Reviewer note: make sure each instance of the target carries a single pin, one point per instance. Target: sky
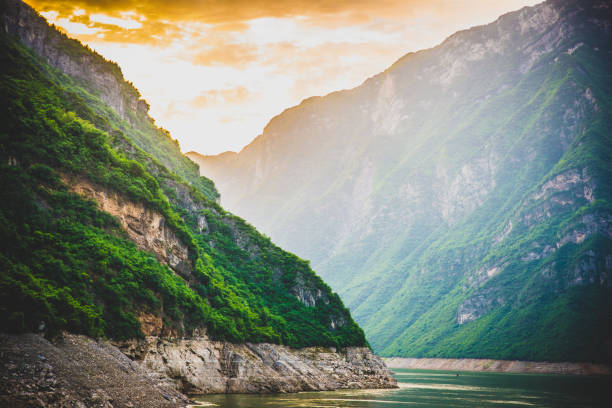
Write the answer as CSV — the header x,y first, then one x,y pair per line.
x,y
216,71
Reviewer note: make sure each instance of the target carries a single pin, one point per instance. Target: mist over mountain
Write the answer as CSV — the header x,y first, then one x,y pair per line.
x,y
460,201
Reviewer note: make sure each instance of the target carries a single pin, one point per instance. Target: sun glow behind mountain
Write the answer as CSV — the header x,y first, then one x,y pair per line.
x,y
215,72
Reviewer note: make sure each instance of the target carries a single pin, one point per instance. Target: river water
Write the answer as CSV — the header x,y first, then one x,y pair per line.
x,y
444,389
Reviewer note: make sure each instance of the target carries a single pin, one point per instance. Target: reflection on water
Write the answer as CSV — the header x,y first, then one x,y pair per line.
x,y
443,389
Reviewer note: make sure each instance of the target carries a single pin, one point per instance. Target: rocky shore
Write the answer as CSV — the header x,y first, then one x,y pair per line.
x,y
75,370
502,366
201,366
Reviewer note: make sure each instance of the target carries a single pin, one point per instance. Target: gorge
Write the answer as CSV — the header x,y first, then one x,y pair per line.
x,y
124,283
457,206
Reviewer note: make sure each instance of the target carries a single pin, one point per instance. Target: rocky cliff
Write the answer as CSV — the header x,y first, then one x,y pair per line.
x,y
460,200
152,233
146,227
201,366
78,371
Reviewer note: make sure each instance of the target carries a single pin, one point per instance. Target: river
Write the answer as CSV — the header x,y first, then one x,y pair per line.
x,y
444,389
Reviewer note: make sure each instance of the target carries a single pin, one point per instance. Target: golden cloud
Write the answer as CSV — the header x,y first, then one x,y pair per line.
x,y
234,95
236,55
255,57
224,11
160,22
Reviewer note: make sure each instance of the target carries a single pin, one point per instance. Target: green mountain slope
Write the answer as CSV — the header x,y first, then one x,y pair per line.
x,y
68,265
460,202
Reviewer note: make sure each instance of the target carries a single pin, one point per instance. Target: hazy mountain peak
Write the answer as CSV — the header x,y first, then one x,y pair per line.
x,y
459,194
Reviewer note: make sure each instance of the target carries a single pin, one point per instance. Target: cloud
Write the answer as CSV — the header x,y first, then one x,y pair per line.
x,y
236,95
236,55
124,22
215,71
224,11
151,21
162,22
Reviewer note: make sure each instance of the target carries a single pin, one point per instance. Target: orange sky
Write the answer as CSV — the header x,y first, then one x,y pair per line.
x,y
216,71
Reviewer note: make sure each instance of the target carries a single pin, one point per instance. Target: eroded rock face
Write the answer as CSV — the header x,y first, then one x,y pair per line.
x,y
478,305
203,366
146,227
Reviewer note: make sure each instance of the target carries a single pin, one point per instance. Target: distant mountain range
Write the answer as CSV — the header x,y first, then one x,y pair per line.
x,y
460,201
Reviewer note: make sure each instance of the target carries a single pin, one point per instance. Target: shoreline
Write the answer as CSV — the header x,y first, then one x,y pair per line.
x,y
76,370
498,366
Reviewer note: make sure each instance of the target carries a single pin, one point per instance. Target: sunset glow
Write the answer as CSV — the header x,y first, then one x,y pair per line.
x,y
215,72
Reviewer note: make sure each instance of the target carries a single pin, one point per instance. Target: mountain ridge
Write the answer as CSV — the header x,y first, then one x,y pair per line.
x,y
474,172
131,218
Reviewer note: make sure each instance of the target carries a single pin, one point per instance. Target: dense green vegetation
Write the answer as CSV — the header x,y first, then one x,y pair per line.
x,y
88,94
460,202
71,266
551,300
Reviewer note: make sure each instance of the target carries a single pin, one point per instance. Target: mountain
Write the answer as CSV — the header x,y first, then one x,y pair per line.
x,y
460,201
108,231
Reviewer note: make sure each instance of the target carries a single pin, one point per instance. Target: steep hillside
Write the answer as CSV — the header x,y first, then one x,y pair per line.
x,y
113,97
460,202
107,230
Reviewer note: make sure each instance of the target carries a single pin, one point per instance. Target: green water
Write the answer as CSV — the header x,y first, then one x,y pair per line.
x,y
443,389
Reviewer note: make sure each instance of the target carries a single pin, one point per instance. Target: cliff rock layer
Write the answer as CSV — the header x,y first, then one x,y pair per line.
x,y
460,201
69,56
201,366
146,227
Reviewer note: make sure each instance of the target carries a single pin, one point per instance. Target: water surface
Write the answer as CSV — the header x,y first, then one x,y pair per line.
x,y
444,389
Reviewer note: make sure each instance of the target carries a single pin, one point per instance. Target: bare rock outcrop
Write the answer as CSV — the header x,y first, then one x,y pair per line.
x,y
146,227
200,365
77,371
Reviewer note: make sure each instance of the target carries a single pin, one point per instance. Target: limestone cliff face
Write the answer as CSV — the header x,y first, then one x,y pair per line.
x,y
199,365
98,75
146,227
